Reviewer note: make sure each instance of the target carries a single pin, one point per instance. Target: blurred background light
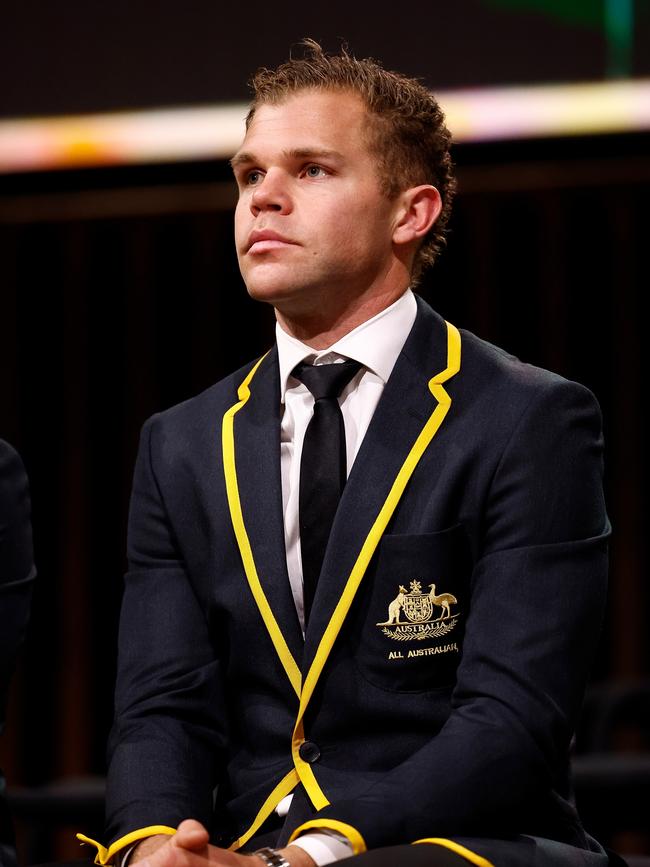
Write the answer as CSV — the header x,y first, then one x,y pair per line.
x,y
214,132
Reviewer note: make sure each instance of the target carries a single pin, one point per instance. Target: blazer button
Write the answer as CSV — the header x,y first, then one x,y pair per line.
x,y
309,752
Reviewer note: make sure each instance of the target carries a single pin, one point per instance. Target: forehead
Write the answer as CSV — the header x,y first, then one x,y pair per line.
x,y
332,119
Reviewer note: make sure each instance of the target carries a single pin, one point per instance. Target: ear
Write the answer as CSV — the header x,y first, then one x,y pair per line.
x,y
419,209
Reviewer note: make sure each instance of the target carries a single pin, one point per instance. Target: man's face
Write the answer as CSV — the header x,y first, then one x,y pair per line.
x,y
312,227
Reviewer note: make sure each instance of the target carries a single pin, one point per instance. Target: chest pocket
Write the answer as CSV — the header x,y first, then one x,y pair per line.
x,y
412,618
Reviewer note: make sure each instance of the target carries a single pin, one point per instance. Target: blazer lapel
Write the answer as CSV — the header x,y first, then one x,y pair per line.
x,y
256,434
409,414
405,406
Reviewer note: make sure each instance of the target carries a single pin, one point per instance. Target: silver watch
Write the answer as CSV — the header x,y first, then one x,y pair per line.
x,y
271,857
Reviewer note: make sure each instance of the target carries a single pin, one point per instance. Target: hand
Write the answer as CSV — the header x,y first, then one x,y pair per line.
x,y
190,847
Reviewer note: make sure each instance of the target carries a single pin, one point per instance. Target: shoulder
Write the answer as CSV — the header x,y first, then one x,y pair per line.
x,y
494,394
544,435
9,458
498,378
16,554
488,373
13,480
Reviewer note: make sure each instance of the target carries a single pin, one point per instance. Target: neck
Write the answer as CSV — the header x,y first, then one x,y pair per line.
x,y
322,328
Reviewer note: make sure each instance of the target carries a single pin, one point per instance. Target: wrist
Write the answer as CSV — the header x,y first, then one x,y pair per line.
x,y
294,856
297,857
146,846
270,857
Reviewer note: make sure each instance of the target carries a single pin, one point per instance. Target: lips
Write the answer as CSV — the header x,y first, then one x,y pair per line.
x,y
264,240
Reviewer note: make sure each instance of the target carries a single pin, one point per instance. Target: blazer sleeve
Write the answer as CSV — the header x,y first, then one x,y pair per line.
x,y
537,600
167,739
17,570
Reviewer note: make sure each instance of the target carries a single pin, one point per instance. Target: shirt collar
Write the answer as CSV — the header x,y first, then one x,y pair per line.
x,y
376,343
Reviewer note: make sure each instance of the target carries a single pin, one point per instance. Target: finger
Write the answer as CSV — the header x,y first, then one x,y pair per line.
x,y
190,834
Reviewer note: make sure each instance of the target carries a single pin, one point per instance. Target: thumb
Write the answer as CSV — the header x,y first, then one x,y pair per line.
x,y
190,834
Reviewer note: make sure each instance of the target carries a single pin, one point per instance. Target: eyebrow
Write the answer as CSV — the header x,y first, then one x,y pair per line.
x,y
246,159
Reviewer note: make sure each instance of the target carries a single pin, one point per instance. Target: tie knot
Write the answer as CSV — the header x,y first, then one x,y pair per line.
x,y
326,380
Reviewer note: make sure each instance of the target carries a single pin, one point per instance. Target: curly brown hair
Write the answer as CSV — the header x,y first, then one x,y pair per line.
x,y
407,134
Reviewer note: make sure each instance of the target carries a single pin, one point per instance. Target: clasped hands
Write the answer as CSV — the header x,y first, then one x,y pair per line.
x,y
190,847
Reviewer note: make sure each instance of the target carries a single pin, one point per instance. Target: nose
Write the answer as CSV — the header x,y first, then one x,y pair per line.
x,y
271,194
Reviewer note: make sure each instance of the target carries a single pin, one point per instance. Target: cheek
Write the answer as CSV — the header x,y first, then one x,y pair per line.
x,y
241,222
344,226
358,232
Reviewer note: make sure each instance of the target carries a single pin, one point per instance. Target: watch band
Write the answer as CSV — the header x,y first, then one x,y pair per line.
x,y
271,857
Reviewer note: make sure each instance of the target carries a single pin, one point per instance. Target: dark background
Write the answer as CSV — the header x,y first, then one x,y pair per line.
x,y
87,55
121,296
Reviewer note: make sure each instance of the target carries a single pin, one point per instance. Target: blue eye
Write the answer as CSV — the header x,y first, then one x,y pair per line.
x,y
253,177
314,171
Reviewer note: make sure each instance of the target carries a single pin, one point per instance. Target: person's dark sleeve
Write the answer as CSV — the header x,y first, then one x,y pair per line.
x,y
537,600
168,733
17,575
17,570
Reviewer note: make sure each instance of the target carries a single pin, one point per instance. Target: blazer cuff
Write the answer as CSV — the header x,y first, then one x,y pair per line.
x,y
356,840
106,855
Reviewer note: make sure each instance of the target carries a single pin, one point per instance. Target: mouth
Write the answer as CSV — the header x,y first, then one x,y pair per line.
x,y
265,240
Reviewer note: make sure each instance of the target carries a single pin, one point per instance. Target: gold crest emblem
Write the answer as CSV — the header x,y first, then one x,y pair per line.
x,y
411,614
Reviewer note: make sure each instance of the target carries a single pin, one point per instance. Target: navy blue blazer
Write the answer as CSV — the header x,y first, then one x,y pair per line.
x,y
454,624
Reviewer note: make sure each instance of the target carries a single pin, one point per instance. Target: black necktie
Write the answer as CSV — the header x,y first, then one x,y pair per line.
x,y
323,467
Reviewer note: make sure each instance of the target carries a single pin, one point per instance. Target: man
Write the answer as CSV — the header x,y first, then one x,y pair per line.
x,y
16,579
305,681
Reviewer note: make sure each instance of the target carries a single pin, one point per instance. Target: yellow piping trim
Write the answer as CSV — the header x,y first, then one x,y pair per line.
x,y
470,856
359,569
305,772
355,838
237,518
309,781
286,785
105,856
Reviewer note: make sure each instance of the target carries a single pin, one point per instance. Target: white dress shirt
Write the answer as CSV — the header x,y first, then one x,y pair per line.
x,y
376,344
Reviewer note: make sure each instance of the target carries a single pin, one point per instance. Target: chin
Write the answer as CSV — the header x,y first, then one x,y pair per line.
x,y
271,292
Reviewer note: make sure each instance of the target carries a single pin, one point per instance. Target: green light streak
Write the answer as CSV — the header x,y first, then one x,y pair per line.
x,y
619,30
585,13
614,17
